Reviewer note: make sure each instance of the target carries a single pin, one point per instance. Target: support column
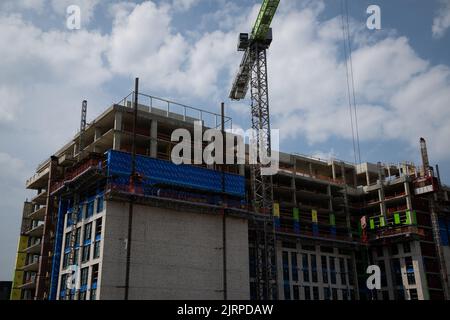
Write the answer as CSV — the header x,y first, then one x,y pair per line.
x,y
347,212
154,138
408,196
333,170
381,191
117,130
242,170
293,186
97,135
419,271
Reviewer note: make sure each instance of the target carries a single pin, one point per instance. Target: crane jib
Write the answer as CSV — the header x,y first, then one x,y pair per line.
x,y
261,33
265,16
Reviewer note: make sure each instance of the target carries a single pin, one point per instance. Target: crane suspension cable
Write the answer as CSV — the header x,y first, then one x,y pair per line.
x,y
350,81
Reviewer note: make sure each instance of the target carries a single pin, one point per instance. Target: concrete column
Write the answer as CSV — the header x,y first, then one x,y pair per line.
x,y
347,213
97,135
294,197
408,196
153,138
419,271
367,176
382,202
333,170
242,169
389,274
330,204
117,130
310,169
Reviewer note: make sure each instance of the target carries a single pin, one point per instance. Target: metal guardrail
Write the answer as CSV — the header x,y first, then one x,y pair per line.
x,y
36,176
171,108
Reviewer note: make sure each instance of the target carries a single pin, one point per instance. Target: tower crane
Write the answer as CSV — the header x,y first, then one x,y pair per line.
x,y
253,71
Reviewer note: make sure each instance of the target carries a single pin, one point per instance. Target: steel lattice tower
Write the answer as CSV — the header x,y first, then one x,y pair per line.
x,y
253,70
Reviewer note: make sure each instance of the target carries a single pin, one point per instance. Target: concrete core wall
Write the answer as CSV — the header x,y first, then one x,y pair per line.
x,y
174,254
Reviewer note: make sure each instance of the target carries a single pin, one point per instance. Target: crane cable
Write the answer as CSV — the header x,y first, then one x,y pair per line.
x,y
350,81
352,100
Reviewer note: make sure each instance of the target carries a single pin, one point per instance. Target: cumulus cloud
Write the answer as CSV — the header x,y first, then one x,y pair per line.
x,y
442,20
327,156
87,8
400,96
56,6
182,5
163,58
9,5
307,73
43,74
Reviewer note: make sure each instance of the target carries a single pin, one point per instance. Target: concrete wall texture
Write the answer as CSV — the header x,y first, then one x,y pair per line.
x,y
174,254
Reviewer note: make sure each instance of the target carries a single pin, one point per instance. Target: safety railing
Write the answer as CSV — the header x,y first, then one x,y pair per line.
x,y
176,110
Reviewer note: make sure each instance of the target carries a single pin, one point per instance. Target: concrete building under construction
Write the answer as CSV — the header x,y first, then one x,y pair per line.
x,y
112,209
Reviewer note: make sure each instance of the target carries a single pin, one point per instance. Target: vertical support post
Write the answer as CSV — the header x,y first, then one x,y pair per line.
x,y
97,135
224,221
135,114
438,175
117,130
132,182
333,170
347,212
154,138
381,191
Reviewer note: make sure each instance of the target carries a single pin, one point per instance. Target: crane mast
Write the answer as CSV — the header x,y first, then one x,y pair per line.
x,y
253,72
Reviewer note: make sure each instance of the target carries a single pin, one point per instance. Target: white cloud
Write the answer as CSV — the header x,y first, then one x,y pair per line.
x,y
9,5
183,5
87,8
9,167
307,76
54,6
326,156
166,60
400,96
11,103
44,77
442,20
50,57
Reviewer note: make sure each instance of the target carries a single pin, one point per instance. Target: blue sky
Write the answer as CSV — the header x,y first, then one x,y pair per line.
x,y
185,50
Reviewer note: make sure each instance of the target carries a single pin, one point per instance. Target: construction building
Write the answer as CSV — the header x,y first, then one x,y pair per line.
x,y
111,208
